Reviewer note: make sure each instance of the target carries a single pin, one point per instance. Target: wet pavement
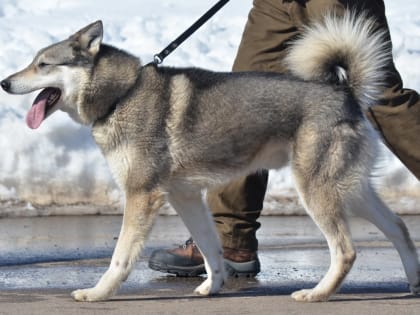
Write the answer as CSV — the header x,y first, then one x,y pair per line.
x,y
43,259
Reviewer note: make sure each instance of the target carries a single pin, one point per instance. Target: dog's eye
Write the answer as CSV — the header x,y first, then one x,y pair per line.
x,y
42,64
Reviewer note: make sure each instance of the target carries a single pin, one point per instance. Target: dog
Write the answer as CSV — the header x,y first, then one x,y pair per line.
x,y
170,133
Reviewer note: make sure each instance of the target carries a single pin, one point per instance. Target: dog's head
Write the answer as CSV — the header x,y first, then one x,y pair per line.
x,y
61,71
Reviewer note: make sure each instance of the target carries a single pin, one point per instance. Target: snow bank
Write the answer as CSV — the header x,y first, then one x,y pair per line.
x,y
59,164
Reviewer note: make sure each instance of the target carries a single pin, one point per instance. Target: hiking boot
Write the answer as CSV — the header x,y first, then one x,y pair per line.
x,y
187,261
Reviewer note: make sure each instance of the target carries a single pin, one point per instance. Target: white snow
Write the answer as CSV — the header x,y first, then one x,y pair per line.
x,y
59,164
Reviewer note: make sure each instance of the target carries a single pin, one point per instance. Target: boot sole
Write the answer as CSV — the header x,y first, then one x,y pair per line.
x,y
233,269
247,269
192,271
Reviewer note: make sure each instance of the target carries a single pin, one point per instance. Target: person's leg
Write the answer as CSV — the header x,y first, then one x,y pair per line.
x,y
397,114
269,28
237,206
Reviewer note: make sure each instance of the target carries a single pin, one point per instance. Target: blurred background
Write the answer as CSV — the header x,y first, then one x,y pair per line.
x,y
58,170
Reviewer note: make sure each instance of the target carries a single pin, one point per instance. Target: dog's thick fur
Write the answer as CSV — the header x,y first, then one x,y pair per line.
x,y
170,133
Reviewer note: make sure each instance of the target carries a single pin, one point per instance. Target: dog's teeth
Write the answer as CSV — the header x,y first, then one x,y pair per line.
x,y
52,98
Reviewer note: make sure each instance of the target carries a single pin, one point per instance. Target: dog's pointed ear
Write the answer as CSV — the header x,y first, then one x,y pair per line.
x,y
90,37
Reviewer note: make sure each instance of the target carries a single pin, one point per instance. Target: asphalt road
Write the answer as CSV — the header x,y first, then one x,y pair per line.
x,y
43,259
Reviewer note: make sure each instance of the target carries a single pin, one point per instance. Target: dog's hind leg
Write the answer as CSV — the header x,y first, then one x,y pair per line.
x,y
188,203
333,225
139,212
373,209
324,203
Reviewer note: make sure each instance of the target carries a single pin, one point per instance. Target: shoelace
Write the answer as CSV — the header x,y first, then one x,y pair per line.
x,y
189,241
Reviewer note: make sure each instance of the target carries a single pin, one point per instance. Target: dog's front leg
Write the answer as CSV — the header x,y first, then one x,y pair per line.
x,y
188,203
139,212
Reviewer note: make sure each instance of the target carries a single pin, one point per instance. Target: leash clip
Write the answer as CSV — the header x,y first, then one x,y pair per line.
x,y
157,59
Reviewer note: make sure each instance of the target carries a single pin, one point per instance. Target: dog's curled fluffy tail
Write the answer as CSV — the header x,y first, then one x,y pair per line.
x,y
346,49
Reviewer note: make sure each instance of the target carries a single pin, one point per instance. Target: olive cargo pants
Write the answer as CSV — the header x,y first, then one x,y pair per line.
x,y
271,24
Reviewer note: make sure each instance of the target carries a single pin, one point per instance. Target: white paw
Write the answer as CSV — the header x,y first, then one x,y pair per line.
x,y
89,295
309,295
209,287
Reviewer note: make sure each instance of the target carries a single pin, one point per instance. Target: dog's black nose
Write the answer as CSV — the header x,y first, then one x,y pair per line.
x,y
5,84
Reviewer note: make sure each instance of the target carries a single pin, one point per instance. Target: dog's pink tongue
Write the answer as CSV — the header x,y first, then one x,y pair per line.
x,y
36,114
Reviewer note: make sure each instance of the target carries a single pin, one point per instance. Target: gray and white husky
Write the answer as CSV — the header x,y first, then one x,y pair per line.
x,y
169,133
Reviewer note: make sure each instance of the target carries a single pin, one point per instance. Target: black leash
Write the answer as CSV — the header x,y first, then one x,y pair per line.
x,y
158,58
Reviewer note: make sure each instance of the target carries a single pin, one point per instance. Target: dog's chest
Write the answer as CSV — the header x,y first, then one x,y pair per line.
x,y
111,141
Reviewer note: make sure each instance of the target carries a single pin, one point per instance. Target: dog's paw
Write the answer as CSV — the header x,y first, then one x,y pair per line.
x,y
415,283
309,295
209,287
89,295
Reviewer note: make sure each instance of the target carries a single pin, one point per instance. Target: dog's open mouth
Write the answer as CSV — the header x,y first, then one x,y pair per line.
x,y
41,106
